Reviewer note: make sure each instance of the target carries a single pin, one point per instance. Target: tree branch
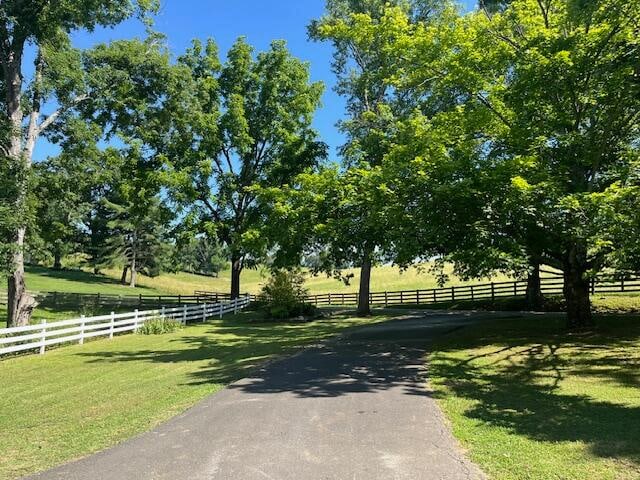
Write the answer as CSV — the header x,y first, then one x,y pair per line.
x,y
52,118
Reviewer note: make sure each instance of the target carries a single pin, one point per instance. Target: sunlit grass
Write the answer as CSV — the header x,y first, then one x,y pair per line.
x,y
531,402
80,399
382,278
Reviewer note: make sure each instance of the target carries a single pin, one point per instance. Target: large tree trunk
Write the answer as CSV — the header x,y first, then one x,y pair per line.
x,y
20,304
236,270
535,299
364,307
576,289
57,260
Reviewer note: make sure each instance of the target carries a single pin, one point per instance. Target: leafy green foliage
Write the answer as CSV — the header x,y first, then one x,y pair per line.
x,y
536,135
199,255
235,127
284,295
159,326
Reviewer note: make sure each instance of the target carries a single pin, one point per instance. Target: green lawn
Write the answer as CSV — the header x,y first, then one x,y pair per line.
x,y
80,399
40,279
532,402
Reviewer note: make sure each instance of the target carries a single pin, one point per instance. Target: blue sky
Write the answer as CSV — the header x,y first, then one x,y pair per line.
x,y
261,21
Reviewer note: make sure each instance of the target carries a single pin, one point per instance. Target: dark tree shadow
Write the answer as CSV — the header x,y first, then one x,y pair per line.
x,y
517,386
364,359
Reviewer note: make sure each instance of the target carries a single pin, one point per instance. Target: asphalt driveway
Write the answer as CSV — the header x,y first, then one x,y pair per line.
x,y
355,408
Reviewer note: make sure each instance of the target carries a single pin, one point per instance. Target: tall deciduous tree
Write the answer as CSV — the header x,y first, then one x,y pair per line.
x,y
363,34
236,126
56,79
548,92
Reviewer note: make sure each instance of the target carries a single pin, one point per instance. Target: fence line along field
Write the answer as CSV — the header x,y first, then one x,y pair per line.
x,y
39,337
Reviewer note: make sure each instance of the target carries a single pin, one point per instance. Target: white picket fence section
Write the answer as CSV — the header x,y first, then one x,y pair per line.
x,y
39,337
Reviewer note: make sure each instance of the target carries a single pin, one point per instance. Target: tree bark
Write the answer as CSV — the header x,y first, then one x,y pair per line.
x,y
123,277
57,261
364,308
535,299
134,272
576,289
236,270
20,304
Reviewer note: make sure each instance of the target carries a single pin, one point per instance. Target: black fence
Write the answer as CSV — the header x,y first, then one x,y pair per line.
x,y
99,300
486,291
551,286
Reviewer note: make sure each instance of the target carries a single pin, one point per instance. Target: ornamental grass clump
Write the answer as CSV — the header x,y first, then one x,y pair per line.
x,y
159,326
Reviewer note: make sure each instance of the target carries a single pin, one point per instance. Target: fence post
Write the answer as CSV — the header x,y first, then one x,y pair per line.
x,y
593,286
220,308
622,285
179,299
329,299
453,294
472,296
386,298
417,297
44,335
113,319
435,296
515,289
401,297
493,291
135,325
235,305
184,314
204,312
81,341
162,313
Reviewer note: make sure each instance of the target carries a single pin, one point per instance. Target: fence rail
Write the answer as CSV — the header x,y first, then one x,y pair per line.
x,y
486,291
39,337
97,300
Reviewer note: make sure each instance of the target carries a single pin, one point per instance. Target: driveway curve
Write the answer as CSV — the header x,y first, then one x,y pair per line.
x,y
353,408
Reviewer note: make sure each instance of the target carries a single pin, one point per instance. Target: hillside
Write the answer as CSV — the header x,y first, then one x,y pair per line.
x,y
382,278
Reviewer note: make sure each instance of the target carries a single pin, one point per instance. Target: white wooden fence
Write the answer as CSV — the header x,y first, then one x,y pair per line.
x,y
39,337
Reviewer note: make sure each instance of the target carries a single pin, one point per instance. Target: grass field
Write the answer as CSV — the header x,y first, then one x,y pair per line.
x,y
531,402
41,279
80,399
382,278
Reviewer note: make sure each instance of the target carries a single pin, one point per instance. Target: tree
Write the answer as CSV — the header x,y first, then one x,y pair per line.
x,y
331,215
363,34
64,188
56,80
547,94
199,254
137,219
237,126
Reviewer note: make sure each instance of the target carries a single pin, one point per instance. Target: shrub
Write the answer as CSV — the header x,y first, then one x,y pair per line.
x,y
284,296
159,326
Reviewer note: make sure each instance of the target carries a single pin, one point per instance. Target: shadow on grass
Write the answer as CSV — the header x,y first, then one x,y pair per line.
x,y
72,275
367,359
80,276
520,385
